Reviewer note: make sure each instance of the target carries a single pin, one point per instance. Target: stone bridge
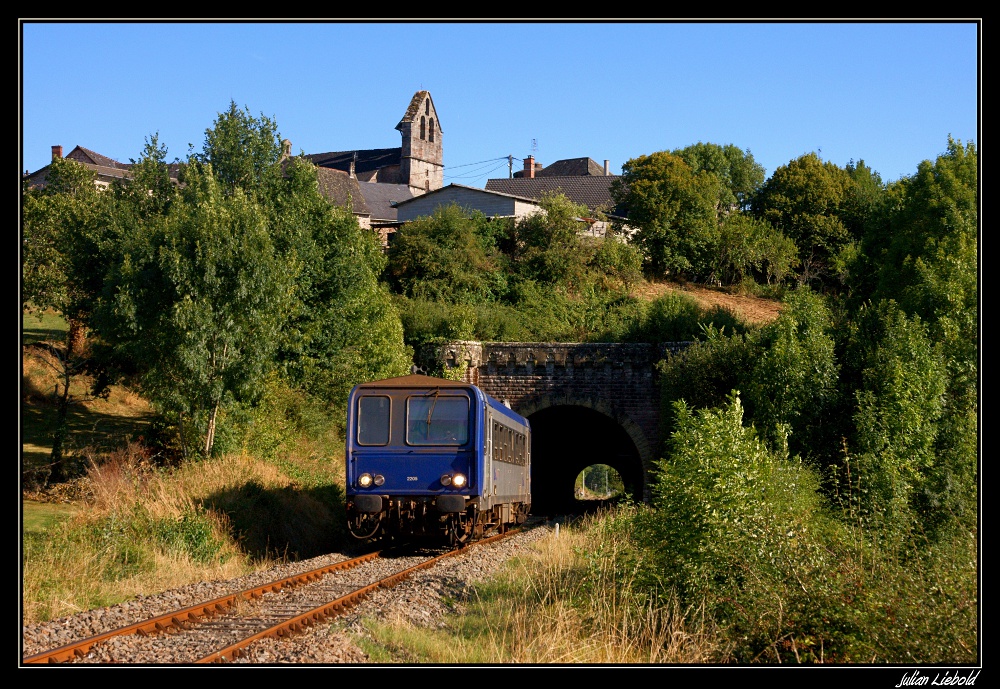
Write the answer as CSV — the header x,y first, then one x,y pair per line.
x,y
593,403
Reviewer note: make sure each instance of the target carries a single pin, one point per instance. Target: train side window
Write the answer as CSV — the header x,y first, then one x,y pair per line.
x,y
373,420
437,420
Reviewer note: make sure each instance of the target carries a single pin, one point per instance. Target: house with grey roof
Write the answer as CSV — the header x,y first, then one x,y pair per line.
x,y
581,180
493,204
569,167
106,170
381,199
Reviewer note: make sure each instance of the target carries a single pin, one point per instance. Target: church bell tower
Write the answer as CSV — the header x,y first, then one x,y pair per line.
x,y
422,163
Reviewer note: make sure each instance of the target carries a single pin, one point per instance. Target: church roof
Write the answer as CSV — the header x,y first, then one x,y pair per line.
x,y
366,160
380,198
341,190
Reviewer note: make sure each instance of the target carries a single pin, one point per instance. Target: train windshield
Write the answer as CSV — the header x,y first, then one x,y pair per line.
x,y
373,420
437,420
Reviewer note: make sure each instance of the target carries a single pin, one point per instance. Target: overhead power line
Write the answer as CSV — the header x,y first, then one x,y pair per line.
x,y
480,172
491,160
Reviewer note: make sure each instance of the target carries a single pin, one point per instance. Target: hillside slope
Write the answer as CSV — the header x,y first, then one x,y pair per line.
x,y
756,310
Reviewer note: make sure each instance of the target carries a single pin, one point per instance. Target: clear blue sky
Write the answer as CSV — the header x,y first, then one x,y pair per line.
x,y
886,93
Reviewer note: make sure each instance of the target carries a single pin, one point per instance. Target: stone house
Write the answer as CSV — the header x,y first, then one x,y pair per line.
x,y
105,169
493,204
581,180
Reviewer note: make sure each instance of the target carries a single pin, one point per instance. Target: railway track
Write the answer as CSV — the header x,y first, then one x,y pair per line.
x,y
221,630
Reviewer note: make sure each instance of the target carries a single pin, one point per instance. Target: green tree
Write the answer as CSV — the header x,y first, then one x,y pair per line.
x,y
900,380
805,201
343,328
59,219
725,506
673,209
931,269
441,257
148,191
740,174
793,382
931,264
619,262
549,247
198,299
243,150
749,246
54,217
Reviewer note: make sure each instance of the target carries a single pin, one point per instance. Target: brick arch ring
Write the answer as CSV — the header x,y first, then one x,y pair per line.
x,y
642,445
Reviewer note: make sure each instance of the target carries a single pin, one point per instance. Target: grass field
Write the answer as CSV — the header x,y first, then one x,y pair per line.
x,y
95,424
38,517
39,328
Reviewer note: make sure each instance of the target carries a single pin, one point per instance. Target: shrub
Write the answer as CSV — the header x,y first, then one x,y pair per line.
x,y
705,373
442,257
793,382
898,404
743,532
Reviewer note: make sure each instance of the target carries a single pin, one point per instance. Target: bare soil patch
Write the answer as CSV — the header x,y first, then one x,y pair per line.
x,y
755,310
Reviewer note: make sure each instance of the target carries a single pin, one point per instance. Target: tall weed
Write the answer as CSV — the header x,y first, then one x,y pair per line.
x,y
743,531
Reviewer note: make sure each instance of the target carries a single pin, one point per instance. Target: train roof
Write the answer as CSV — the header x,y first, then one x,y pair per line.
x,y
420,381
415,381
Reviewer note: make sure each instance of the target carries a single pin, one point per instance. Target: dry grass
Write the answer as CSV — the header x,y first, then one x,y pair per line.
x,y
556,606
68,571
128,478
588,616
752,309
96,425
75,580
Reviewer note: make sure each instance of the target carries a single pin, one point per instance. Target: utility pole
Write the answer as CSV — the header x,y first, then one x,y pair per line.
x,y
510,167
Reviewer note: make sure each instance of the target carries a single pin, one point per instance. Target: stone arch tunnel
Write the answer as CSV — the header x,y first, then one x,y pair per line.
x,y
588,403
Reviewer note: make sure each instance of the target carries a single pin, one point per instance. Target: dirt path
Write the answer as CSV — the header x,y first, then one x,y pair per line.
x,y
753,309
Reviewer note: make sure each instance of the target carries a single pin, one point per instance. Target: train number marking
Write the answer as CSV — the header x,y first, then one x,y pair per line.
x,y
411,478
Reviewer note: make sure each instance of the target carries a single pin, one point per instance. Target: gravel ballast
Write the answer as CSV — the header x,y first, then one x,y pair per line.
x,y
422,599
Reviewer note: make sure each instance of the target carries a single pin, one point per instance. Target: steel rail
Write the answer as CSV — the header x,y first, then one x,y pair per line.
x,y
186,617
331,609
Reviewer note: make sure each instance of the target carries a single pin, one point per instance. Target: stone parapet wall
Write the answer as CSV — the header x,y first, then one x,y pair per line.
x,y
616,379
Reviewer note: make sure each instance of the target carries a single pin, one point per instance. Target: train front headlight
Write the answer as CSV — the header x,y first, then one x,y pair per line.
x,y
365,480
446,480
379,479
458,480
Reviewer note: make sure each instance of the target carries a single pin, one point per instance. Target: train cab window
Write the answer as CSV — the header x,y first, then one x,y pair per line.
x,y
437,420
373,420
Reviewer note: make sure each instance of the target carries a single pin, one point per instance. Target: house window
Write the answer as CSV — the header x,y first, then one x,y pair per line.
x,y
423,127
432,129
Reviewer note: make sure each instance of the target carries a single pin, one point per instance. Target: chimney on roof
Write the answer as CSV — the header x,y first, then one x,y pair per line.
x,y
529,167
286,149
354,160
606,170
56,152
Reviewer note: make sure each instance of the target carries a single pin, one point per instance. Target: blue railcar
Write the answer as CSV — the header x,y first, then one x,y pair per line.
x,y
436,458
